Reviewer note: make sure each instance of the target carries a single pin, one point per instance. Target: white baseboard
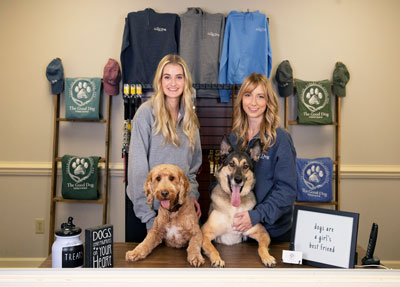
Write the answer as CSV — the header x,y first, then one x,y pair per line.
x,y
21,262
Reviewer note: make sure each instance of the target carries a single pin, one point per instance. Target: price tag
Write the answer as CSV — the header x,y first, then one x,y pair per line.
x,y
292,257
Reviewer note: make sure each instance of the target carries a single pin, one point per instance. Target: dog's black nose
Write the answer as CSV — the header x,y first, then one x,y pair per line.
x,y
238,179
164,193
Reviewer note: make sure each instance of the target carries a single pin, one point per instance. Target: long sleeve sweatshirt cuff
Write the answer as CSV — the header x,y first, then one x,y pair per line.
x,y
255,217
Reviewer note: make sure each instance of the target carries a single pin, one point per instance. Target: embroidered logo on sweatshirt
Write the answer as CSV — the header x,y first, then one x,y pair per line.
x,y
212,34
264,156
261,29
160,29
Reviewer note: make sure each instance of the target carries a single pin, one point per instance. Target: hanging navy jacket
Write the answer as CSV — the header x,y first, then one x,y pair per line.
x,y
148,37
246,49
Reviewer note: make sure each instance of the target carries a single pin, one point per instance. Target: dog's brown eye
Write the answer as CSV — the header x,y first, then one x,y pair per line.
x,y
158,178
245,166
232,164
171,178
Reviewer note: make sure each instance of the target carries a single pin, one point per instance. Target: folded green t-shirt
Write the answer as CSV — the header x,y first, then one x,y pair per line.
x,y
82,98
79,177
314,102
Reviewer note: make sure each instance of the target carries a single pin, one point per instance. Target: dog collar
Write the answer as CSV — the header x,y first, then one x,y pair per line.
x,y
176,208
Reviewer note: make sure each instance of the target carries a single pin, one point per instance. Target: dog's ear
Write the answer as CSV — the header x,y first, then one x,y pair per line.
x,y
255,150
148,190
184,187
226,147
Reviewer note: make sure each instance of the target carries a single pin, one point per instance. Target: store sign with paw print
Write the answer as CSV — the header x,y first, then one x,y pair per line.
x,y
82,98
314,179
79,177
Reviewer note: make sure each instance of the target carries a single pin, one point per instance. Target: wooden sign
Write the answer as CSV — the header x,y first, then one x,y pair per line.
x,y
327,238
99,247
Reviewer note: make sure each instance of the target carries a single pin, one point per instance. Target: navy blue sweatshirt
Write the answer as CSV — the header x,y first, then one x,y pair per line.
x,y
148,37
276,184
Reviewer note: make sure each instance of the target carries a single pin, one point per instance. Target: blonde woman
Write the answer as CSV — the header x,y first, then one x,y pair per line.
x,y
256,117
165,130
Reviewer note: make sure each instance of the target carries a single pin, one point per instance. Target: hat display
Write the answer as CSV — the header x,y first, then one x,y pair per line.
x,y
111,77
284,78
340,78
55,75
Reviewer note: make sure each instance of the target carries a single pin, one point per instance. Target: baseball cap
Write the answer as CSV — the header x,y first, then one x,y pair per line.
x,y
284,78
55,75
111,77
340,78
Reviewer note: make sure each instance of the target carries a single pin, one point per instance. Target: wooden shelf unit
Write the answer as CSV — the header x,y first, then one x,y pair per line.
x,y
336,160
54,199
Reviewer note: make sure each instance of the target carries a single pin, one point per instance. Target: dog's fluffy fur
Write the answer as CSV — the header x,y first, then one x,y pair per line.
x,y
177,221
233,194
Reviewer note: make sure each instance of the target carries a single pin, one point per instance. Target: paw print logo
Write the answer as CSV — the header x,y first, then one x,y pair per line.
x,y
314,97
82,91
315,175
80,169
80,166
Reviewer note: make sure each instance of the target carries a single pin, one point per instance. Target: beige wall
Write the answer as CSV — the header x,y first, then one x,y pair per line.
x,y
312,34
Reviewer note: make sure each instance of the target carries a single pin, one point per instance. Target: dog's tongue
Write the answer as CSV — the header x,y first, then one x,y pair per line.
x,y
165,204
235,197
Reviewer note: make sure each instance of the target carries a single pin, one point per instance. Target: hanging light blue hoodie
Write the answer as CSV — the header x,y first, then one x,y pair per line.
x,y
246,49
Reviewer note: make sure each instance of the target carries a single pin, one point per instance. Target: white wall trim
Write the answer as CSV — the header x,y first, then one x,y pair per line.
x,y
347,171
370,171
17,168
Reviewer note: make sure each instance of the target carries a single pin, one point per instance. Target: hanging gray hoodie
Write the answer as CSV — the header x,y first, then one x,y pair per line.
x,y
201,44
147,150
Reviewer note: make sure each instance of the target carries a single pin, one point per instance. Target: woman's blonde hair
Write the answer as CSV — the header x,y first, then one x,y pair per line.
x,y
164,122
270,121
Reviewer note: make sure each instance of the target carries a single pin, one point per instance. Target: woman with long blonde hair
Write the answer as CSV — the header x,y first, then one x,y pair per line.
x,y
165,129
256,118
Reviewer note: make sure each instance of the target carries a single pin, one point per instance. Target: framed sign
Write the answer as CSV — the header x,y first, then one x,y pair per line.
x,y
327,238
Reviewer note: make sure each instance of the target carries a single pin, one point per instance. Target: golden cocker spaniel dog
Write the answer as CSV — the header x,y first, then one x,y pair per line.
x,y
176,223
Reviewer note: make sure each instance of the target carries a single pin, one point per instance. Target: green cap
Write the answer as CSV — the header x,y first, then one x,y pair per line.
x,y
284,78
340,78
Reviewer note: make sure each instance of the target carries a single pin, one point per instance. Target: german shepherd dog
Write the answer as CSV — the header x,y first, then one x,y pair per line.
x,y
233,193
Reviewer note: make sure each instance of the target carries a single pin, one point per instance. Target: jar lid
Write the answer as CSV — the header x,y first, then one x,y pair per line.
x,y
68,229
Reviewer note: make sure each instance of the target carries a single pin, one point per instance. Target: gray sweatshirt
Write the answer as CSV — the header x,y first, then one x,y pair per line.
x,y
201,44
147,150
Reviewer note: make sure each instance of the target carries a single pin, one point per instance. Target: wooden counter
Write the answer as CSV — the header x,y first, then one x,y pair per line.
x,y
242,255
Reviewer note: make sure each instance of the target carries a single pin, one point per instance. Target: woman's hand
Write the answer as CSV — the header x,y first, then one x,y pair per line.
x,y
197,207
242,222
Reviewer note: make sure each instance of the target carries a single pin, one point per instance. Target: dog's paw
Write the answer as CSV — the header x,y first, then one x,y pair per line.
x,y
134,255
269,261
196,260
218,263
